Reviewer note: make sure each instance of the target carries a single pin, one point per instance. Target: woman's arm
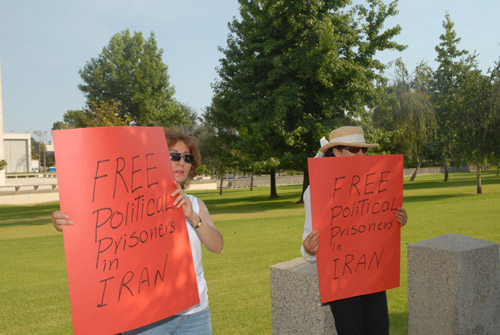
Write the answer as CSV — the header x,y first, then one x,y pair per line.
x,y
310,238
207,232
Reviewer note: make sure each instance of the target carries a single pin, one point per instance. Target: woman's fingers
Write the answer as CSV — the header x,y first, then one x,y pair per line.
x,y
59,220
311,243
401,216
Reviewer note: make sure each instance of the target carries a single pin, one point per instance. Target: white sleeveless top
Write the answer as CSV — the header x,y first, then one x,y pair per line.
x,y
195,242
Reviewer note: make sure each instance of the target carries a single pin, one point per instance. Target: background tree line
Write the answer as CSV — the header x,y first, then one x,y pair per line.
x,y
292,71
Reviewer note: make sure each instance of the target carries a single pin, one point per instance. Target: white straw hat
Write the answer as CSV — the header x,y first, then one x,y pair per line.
x,y
347,136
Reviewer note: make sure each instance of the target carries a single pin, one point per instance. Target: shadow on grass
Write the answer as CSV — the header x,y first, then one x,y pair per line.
x,y
461,180
424,198
243,201
27,215
28,210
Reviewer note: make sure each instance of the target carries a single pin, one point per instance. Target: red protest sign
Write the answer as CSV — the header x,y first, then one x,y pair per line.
x,y
128,255
353,203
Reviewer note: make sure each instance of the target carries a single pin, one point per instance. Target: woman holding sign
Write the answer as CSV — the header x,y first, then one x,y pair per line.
x,y
185,158
365,314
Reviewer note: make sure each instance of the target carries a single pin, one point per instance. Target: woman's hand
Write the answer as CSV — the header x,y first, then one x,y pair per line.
x,y
59,220
207,232
401,216
182,200
311,243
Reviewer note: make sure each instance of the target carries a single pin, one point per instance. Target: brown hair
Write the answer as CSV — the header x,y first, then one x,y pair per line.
x,y
173,136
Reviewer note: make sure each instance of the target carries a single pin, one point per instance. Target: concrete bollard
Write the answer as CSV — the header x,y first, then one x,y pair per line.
x,y
296,302
453,286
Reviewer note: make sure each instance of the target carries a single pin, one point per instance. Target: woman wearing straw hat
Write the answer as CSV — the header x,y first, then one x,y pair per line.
x,y
366,314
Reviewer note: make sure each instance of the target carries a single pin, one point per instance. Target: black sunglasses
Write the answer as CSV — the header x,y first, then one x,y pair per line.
x,y
353,150
176,156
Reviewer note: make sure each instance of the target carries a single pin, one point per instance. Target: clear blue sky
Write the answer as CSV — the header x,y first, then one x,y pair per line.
x,y
43,45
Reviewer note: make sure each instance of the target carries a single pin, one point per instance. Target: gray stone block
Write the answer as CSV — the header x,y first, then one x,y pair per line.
x,y
295,299
453,286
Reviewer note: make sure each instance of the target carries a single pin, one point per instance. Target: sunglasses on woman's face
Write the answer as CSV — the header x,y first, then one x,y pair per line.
x,y
355,150
176,156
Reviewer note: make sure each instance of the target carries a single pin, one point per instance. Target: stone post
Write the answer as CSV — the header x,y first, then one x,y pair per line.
x,y
453,286
296,302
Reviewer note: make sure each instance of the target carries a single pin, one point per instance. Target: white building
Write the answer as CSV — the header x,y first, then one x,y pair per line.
x,y
17,152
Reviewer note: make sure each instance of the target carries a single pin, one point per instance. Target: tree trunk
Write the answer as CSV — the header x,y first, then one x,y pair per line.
x,y
498,169
445,170
251,182
479,186
305,184
274,194
414,175
221,182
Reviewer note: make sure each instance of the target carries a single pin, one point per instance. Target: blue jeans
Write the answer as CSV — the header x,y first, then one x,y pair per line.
x,y
192,324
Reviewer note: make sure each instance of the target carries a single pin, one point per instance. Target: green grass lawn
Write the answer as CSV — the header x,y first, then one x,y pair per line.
x,y
258,232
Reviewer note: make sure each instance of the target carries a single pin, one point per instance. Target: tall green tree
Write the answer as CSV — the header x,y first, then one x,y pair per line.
x,y
495,106
71,119
130,71
215,144
192,120
104,114
294,69
98,114
445,87
475,117
407,114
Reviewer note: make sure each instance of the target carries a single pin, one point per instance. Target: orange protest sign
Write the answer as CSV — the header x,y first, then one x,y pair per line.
x,y
128,255
353,203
